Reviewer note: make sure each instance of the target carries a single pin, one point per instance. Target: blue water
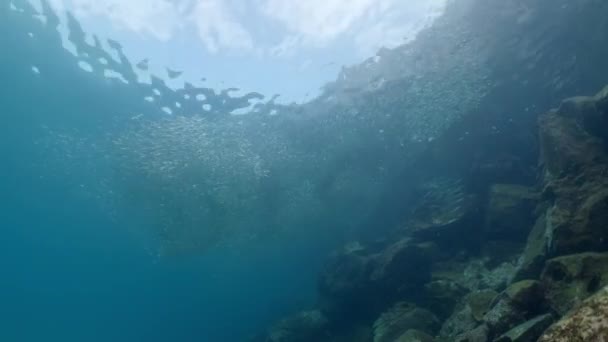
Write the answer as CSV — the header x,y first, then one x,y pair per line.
x,y
74,271
70,274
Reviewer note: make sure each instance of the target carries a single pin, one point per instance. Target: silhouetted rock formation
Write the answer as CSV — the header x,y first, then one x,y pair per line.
x,y
551,274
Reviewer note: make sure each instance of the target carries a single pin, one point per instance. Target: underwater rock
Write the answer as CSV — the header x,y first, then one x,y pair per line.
x,y
363,283
479,334
442,295
528,331
526,294
413,335
478,275
588,322
571,279
531,262
403,317
566,146
302,327
460,322
346,275
578,221
403,265
518,302
502,317
574,157
510,212
444,213
591,111
480,302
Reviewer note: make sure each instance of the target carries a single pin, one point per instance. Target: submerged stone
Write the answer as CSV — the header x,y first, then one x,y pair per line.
x,y
444,214
588,322
479,334
442,296
415,336
364,283
574,155
531,262
503,316
527,294
403,317
571,279
480,302
510,212
517,303
528,331
460,322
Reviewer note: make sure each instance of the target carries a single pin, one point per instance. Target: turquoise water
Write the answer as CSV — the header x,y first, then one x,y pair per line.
x,y
132,210
71,274
73,268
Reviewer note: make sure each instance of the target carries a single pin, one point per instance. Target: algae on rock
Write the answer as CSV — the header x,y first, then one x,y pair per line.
x,y
528,331
403,317
575,160
571,279
589,322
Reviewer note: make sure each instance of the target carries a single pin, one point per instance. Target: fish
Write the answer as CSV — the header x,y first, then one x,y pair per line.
x,y
114,45
143,64
173,74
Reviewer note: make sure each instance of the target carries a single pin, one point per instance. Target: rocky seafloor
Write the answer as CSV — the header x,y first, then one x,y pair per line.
x,y
515,262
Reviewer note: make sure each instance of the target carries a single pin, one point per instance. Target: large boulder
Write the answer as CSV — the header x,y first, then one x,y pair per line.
x,y
460,322
510,212
442,296
479,334
528,331
403,317
519,302
445,213
482,274
346,278
415,336
570,279
363,282
575,160
532,260
480,302
588,322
